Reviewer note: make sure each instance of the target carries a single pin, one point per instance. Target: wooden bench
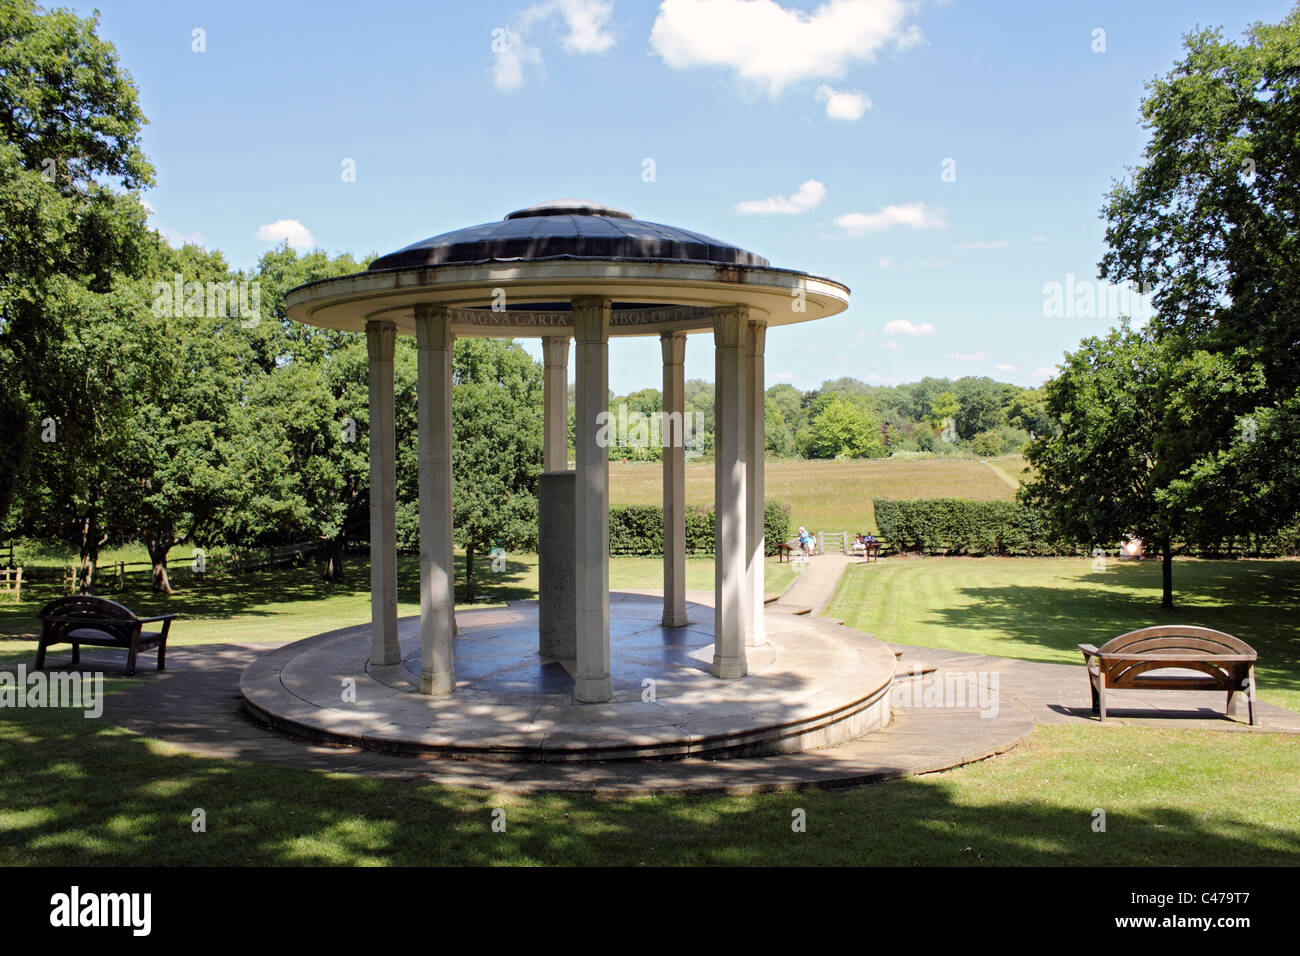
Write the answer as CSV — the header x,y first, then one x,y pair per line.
x,y
1127,662
85,619
870,551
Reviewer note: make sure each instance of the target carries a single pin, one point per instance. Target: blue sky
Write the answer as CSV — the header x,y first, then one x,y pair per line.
x,y
815,134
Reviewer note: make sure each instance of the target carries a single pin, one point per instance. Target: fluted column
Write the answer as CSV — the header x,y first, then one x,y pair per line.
x,y
591,681
674,452
731,607
434,343
380,343
755,342
555,402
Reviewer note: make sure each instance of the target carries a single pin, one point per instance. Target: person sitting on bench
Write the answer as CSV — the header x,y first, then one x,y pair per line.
x,y
859,545
805,541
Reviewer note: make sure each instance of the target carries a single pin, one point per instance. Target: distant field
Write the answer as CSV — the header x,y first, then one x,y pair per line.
x,y
834,495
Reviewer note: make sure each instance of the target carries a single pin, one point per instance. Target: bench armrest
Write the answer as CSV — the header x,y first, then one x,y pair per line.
x,y
1088,650
159,617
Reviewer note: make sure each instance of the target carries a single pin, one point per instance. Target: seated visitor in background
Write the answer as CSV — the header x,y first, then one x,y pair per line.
x,y
859,544
805,541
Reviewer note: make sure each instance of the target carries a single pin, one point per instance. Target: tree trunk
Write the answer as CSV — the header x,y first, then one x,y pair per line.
x,y
158,558
334,559
1166,575
90,542
469,574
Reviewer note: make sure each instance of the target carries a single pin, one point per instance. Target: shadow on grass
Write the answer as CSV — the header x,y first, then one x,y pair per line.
x,y
79,792
1251,600
264,593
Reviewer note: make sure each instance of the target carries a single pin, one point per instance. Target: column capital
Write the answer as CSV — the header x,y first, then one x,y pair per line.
x,y
730,326
555,350
433,327
674,347
756,341
590,318
381,337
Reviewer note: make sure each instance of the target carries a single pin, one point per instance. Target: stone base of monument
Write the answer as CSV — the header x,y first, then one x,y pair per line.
x,y
810,685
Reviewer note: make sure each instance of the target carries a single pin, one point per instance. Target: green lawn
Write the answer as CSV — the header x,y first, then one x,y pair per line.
x,y
290,603
81,792
77,792
1038,609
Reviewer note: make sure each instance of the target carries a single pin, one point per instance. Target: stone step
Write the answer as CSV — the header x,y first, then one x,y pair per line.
x,y
913,670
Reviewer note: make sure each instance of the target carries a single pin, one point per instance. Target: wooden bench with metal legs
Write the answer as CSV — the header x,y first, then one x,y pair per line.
x,y
86,619
1128,662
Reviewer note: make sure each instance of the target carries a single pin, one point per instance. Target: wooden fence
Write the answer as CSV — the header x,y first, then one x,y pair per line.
x,y
11,583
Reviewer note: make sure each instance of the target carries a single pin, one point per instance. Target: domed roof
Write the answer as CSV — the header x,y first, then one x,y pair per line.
x,y
567,229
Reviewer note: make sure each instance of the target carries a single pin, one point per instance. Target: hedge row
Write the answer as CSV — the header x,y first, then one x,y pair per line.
x,y
959,526
639,529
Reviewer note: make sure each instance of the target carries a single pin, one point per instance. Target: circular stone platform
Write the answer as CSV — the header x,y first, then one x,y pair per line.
x,y
806,689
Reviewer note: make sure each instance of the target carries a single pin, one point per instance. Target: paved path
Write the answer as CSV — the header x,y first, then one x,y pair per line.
x,y
816,583
965,707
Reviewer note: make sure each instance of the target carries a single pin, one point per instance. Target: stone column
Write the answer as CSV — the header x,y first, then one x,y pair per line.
x,y
555,403
437,571
384,649
755,342
591,682
731,607
674,451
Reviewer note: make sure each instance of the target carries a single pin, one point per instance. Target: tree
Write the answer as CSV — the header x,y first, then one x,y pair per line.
x,y
844,430
986,444
778,439
942,416
981,407
315,406
73,238
497,458
1132,415
1210,222
179,473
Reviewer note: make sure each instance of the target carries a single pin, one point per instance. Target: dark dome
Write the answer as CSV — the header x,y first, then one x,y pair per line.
x,y
567,229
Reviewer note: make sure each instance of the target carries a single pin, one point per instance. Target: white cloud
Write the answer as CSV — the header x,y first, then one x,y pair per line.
x,y
1047,371
967,357
809,195
890,344
1005,368
914,215
783,376
1037,238
287,230
982,246
770,46
514,52
904,327
843,104
587,27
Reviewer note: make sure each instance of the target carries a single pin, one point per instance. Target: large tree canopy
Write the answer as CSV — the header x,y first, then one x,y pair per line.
x,y
1211,220
74,235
